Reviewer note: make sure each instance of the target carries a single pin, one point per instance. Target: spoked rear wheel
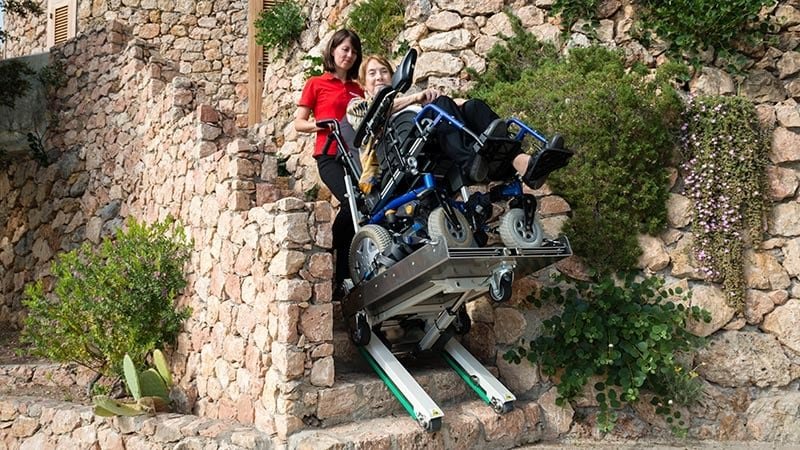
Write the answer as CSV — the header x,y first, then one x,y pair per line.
x,y
439,226
368,243
513,232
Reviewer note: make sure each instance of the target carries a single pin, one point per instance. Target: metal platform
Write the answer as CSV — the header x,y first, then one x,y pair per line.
x,y
431,285
436,263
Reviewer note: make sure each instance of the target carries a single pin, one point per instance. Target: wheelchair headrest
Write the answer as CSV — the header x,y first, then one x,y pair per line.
x,y
404,76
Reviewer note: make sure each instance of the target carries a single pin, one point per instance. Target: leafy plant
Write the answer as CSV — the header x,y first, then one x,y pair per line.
x,y
278,26
688,26
149,389
572,10
623,127
725,156
115,300
625,331
14,81
314,66
692,25
503,62
377,23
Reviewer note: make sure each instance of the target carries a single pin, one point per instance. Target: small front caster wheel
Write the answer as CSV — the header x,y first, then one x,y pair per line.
x,y
462,324
359,330
503,290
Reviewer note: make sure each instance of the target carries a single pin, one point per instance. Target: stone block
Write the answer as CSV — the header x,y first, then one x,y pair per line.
x,y
316,323
320,265
287,262
294,290
207,114
292,227
322,372
557,419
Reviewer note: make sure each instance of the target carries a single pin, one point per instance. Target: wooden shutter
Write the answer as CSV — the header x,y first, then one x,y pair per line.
x,y
61,21
267,4
256,62
61,24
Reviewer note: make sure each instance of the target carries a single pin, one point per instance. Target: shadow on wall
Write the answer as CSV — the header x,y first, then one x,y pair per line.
x,y
29,112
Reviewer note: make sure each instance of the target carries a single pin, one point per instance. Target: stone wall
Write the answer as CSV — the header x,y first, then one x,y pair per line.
x,y
27,36
148,129
34,423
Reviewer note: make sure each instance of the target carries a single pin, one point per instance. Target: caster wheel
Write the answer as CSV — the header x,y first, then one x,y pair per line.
x,y
503,291
462,324
359,330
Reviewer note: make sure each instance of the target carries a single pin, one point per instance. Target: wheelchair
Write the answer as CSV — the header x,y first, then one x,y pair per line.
x,y
424,197
422,249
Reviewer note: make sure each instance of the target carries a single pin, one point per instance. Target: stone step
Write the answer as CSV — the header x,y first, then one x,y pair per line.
x,y
466,425
360,394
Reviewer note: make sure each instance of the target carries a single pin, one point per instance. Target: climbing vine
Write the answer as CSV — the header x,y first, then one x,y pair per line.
x,y
725,154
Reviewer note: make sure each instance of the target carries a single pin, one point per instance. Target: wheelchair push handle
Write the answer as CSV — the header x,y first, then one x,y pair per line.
x,y
331,124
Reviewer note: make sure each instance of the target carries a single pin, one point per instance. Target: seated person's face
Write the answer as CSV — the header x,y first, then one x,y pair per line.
x,y
377,76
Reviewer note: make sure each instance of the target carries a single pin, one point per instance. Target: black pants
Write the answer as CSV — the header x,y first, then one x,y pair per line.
x,y
475,114
332,174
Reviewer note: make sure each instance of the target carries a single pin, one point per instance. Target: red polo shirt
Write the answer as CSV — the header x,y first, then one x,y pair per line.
x,y
327,97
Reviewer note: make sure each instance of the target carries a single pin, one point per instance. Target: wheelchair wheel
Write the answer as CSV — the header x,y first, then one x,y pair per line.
x,y
439,226
513,233
368,243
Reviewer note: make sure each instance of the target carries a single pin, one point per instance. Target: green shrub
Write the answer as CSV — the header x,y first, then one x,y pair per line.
x,y
572,10
687,25
117,299
623,127
725,156
627,332
692,25
278,26
377,23
503,62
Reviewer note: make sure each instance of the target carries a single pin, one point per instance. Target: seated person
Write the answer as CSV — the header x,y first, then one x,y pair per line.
x,y
376,72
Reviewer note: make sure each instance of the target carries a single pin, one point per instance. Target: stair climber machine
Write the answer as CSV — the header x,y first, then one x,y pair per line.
x,y
420,251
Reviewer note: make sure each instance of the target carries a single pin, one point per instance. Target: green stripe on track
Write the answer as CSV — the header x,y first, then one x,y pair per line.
x,y
388,382
467,379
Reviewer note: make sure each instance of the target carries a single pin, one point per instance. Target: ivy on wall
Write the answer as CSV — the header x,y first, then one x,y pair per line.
x,y
725,155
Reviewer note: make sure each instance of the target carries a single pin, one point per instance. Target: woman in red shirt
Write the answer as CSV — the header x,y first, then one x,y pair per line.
x,y
326,97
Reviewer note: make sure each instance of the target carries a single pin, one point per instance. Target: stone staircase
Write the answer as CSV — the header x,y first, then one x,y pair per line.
x,y
359,411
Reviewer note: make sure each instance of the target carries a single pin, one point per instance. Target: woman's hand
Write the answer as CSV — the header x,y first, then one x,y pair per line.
x,y
302,123
427,96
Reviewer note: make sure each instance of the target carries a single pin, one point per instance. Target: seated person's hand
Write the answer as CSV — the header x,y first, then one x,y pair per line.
x,y
427,96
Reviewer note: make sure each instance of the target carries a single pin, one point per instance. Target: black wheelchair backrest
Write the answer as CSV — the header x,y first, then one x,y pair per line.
x,y
404,77
381,106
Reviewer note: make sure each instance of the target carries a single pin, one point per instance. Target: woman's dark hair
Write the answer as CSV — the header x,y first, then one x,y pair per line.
x,y
337,38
